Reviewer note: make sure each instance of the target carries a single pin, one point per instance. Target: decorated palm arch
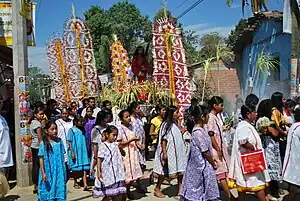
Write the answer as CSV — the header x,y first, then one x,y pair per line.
x,y
72,63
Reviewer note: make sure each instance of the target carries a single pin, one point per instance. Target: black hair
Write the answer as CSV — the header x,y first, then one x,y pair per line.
x,y
72,103
265,109
84,102
45,136
169,119
136,53
247,109
51,102
277,101
106,102
194,115
194,101
251,100
39,104
77,119
92,98
110,129
121,114
215,100
132,107
101,117
297,114
290,104
36,111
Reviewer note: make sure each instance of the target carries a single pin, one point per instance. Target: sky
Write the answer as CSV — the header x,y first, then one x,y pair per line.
x,y
208,16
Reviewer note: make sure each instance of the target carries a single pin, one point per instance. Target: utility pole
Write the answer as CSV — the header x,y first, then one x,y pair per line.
x,y
20,68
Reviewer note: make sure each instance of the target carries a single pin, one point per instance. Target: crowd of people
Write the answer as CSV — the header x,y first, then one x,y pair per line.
x,y
91,142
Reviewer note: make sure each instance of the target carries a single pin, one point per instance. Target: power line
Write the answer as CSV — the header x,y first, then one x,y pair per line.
x,y
189,9
179,5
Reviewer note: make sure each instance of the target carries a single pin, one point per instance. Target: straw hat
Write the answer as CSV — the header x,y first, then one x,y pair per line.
x,y
4,187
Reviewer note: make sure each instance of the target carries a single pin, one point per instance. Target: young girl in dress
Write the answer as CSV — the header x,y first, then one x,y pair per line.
x,y
199,180
78,160
37,134
63,126
219,144
52,178
88,126
110,168
170,157
138,129
156,122
98,137
127,140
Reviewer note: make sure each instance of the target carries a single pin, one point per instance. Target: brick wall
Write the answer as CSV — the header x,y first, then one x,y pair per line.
x,y
222,81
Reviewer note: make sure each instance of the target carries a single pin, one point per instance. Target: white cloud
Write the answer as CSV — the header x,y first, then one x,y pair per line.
x,y
37,56
202,29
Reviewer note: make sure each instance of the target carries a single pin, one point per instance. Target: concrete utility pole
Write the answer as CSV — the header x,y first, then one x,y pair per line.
x,y
20,68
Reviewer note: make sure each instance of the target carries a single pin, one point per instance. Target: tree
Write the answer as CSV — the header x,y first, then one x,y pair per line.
x,y
235,33
39,83
209,43
122,19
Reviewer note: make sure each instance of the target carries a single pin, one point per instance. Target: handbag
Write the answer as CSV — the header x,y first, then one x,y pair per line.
x,y
253,161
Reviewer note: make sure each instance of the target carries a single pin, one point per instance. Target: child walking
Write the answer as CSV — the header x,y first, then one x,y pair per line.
x,y
36,133
110,168
199,180
88,126
52,176
78,160
133,171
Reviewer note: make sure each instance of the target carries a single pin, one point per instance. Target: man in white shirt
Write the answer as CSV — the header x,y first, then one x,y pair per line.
x,y
6,156
92,103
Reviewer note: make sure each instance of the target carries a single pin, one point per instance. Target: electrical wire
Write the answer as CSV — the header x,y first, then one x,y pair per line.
x,y
179,5
189,9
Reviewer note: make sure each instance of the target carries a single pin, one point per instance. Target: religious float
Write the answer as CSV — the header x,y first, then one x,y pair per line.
x,y
170,70
72,63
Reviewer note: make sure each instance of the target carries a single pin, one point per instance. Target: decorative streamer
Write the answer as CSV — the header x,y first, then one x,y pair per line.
x,y
120,64
83,78
72,63
170,70
62,69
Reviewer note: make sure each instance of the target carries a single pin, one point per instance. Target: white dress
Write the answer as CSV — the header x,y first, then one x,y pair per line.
x,y
245,132
291,166
62,132
176,152
6,157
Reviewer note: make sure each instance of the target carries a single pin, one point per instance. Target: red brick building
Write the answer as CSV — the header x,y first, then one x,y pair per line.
x,y
222,81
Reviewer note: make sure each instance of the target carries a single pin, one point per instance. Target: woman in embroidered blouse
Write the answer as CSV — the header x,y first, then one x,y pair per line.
x,y
246,139
170,157
220,147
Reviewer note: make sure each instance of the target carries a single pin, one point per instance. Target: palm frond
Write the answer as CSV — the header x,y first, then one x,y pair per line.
x,y
266,63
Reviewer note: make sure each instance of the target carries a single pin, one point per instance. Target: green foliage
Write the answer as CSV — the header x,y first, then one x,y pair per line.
x,y
234,34
266,63
122,19
38,81
209,43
